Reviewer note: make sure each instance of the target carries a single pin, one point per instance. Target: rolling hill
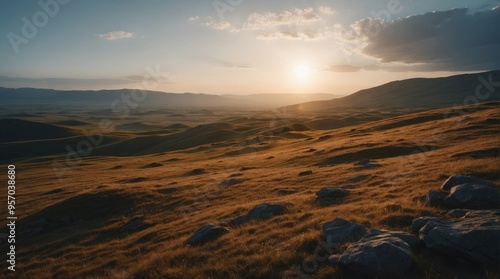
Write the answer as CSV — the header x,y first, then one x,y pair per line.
x,y
415,93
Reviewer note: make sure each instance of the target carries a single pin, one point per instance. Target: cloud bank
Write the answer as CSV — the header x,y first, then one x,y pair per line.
x,y
445,40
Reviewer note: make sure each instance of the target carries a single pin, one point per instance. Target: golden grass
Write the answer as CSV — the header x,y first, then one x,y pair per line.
x,y
386,197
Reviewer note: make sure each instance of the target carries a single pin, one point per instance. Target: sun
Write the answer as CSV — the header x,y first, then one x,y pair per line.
x,y
302,72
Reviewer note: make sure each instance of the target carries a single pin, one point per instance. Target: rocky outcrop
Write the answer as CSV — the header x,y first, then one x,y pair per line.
x,y
475,237
473,196
465,192
459,179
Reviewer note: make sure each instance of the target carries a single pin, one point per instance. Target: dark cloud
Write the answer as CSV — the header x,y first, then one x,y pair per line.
x,y
446,40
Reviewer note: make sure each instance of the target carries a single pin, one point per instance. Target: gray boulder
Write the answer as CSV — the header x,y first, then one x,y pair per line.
x,y
459,179
231,182
475,237
206,233
266,210
420,222
410,239
331,192
259,212
340,231
435,198
473,196
378,255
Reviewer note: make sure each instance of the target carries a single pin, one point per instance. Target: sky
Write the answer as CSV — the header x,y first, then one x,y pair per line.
x,y
243,46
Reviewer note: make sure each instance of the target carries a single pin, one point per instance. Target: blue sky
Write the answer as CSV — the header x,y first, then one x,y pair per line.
x,y
247,46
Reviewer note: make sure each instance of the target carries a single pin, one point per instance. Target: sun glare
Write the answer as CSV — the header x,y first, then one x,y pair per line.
x,y
302,72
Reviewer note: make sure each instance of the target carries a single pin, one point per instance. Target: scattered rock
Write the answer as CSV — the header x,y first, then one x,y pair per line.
x,y
473,196
133,224
166,190
348,187
133,180
307,172
459,179
236,174
435,198
284,192
230,182
310,150
152,165
474,237
266,210
331,192
206,233
358,178
195,172
325,137
270,157
259,212
245,168
117,167
378,255
340,231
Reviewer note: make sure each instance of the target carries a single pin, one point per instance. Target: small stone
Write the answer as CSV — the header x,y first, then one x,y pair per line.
x,y
331,192
231,182
307,172
206,233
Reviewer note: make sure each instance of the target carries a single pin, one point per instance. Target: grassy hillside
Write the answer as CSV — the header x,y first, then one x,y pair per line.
x,y
73,228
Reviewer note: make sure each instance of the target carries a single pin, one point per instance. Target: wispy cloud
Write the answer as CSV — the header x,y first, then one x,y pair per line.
x,y
221,25
259,21
326,10
115,35
296,24
292,35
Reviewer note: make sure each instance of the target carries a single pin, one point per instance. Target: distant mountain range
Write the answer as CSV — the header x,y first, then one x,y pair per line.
x,y
409,93
417,93
106,98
